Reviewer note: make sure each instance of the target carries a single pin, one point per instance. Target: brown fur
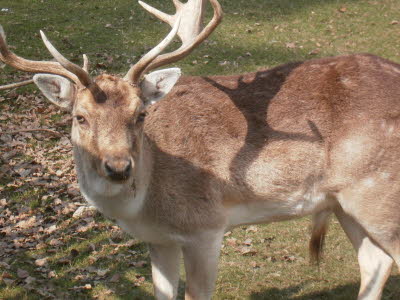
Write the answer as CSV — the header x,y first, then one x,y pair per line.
x,y
209,131
327,126
215,128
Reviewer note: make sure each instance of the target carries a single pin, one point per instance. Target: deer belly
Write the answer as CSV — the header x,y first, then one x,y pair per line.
x,y
270,210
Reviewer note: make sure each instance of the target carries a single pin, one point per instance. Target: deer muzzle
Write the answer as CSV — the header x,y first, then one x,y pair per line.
x,y
117,168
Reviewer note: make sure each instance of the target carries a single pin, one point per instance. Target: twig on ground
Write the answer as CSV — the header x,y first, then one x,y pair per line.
x,y
15,85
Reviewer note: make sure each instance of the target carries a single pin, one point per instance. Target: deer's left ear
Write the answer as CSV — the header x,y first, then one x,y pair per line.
x,y
158,84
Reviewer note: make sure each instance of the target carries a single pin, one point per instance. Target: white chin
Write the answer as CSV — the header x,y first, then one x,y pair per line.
x,y
107,188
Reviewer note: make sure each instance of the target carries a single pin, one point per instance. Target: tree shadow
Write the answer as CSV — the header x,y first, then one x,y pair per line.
x,y
344,292
273,8
71,276
252,94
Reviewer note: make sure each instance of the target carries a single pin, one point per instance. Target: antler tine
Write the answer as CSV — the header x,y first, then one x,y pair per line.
x,y
135,72
32,66
178,4
192,39
83,76
30,81
86,63
190,32
158,14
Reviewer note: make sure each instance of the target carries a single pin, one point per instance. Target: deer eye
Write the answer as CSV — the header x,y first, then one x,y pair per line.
x,y
80,119
141,117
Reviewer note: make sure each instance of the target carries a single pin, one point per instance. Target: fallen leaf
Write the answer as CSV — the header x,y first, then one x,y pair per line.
x,y
247,242
6,275
130,243
252,229
30,280
84,212
314,52
139,264
139,281
8,282
22,273
41,262
231,242
288,258
115,278
25,224
291,45
247,251
102,273
254,264
64,261
55,242
4,265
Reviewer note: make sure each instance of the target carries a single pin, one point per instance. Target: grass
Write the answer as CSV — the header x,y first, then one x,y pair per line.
x,y
255,34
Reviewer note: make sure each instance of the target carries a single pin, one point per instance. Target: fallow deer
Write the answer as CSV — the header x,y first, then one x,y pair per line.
x,y
305,138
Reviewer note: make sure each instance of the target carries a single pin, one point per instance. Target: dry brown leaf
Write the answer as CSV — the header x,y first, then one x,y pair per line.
x,y
252,229
8,282
41,262
139,264
102,273
254,264
51,274
291,45
247,251
55,242
248,242
64,261
4,265
139,281
22,273
115,278
30,280
231,242
228,233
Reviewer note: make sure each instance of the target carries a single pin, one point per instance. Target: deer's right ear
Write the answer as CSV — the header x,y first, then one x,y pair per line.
x,y
57,89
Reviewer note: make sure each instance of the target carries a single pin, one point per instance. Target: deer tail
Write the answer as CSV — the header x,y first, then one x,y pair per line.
x,y
319,228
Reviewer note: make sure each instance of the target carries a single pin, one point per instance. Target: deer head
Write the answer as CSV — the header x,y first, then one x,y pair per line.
x,y
108,111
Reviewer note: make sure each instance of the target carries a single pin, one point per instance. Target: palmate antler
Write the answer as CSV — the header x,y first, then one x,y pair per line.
x,y
190,32
186,23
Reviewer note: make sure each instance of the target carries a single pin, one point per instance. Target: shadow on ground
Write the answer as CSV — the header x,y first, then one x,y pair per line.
x,y
391,292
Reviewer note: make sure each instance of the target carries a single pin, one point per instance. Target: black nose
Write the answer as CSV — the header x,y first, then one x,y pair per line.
x,y
118,168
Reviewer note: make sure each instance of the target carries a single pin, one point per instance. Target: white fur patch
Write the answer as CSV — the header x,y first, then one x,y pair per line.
x,y
297,205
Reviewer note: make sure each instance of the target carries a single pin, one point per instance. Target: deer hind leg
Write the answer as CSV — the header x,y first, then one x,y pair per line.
x,y
200,255
375,264
165,270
